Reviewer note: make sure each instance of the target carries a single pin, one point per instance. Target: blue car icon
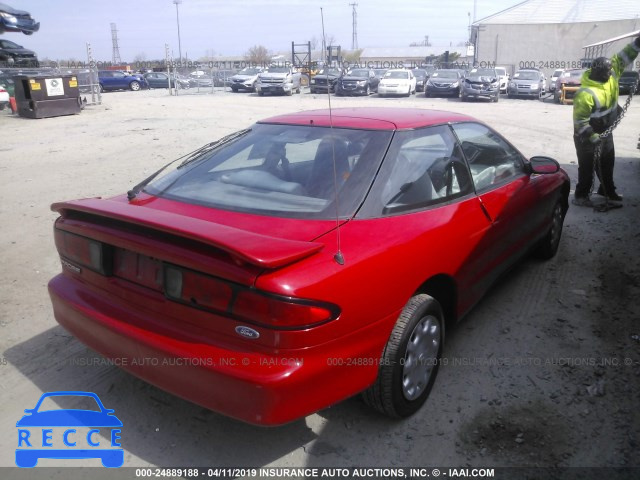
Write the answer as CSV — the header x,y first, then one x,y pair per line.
x,y
35,429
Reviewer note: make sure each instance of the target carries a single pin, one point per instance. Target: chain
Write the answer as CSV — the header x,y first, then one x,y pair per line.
x,y
598,150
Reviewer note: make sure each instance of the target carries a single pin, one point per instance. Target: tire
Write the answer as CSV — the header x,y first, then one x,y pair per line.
x,y
410,359
290,92
135,86
298,89
367,91
548,246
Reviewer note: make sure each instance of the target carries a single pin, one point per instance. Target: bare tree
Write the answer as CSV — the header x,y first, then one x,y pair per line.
x,y
258,54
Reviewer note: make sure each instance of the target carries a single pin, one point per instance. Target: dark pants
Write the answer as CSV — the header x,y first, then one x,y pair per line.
x,y
585,151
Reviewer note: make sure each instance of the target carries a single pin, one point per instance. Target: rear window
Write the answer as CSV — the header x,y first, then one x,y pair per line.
x,y
282,170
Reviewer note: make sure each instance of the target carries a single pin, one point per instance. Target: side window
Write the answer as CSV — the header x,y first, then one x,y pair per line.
x,y
492,160
428,169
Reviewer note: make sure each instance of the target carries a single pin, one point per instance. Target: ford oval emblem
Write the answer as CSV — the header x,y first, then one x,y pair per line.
x,y
247,332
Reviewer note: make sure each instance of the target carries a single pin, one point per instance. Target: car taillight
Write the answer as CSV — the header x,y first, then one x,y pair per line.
x,y
281,312
84,251
260,308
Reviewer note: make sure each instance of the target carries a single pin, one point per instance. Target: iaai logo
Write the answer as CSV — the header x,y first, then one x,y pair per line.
x,y
68,433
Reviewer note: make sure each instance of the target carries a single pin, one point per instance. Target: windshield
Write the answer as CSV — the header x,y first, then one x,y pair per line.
x,y
396,74
527,75
278,70
282,170
249,71
444,74
359,73
329,71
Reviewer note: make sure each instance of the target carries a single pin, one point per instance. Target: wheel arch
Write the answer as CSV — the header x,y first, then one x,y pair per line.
x,y
443,288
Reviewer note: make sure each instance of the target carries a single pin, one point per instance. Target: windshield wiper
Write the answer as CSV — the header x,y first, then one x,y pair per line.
x,y
188,158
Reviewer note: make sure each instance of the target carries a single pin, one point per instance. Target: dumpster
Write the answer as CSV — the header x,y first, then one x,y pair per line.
x,y
43,96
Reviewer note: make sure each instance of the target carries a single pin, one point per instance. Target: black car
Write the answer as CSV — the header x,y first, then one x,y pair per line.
x,y
326,76
421,78
14,55
627,81
444,82
359,81
13,20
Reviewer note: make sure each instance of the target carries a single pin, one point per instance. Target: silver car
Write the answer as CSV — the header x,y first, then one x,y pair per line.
x,y
527,83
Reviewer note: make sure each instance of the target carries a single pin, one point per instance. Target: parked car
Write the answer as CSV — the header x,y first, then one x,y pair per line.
x,y
245,79
325,79
421,78
117,80
504,78
161,80
4,97
379,72
444,82
627,81
527,83
357,81
279,79
569,78
231,259
397,82
14,55
554,78
481,83
6,81
13,20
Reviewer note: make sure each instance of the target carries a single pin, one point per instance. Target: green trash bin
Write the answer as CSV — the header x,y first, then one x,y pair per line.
x,y
43,96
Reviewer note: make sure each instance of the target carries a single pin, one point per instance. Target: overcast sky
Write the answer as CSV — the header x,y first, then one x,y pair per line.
x,y
231,27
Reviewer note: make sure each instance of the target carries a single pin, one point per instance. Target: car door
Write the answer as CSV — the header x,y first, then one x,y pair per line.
x,y
510,198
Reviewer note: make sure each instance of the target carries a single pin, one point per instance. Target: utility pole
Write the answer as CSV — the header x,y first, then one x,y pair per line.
x,y
115,57
178,2
354,35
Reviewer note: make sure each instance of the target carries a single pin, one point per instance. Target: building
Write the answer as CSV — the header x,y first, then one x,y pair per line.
x,y
551,34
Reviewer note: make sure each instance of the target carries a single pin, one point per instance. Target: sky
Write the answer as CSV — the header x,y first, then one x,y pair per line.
x,y
228,28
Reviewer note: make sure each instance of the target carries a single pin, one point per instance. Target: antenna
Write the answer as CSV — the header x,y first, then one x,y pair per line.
x,y
338,257
354,26
116,50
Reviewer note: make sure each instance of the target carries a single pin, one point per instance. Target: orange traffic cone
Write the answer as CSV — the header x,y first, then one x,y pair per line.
x,y
12,103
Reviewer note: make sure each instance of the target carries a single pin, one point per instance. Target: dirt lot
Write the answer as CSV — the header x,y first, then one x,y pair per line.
x,y
544,372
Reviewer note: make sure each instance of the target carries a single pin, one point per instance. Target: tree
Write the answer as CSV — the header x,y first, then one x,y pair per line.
x,y
258,54
353,56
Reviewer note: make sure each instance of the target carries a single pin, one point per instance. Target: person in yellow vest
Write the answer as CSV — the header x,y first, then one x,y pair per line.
x,y
595,108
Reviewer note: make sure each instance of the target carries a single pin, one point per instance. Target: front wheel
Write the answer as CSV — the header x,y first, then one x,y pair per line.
x,y
548,246
410,359
135,86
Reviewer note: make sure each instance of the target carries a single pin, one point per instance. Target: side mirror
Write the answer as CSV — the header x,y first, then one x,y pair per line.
x,y
542,165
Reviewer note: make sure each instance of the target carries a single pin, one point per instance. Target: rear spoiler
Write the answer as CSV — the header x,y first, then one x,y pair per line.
x,y
260,250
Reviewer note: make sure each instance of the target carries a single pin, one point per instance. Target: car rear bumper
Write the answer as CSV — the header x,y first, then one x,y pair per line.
x,y
249,385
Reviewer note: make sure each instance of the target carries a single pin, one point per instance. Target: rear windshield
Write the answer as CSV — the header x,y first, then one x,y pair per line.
x,y
282,170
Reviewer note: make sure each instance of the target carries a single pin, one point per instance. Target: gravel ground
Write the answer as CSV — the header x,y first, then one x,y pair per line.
x,y
545,371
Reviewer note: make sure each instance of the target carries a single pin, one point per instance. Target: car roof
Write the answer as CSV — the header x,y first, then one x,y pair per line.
x,y
376,118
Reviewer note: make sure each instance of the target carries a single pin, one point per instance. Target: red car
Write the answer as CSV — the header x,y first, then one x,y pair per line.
x,y
306,259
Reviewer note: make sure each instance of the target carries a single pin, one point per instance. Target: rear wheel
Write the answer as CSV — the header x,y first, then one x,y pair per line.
x,y
548,246
410,359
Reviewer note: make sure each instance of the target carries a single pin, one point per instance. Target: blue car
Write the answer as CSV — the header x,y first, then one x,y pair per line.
x,y
12,20
32,435
117,80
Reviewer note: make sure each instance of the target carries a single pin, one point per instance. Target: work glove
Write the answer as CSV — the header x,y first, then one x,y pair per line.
x,y
595,139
